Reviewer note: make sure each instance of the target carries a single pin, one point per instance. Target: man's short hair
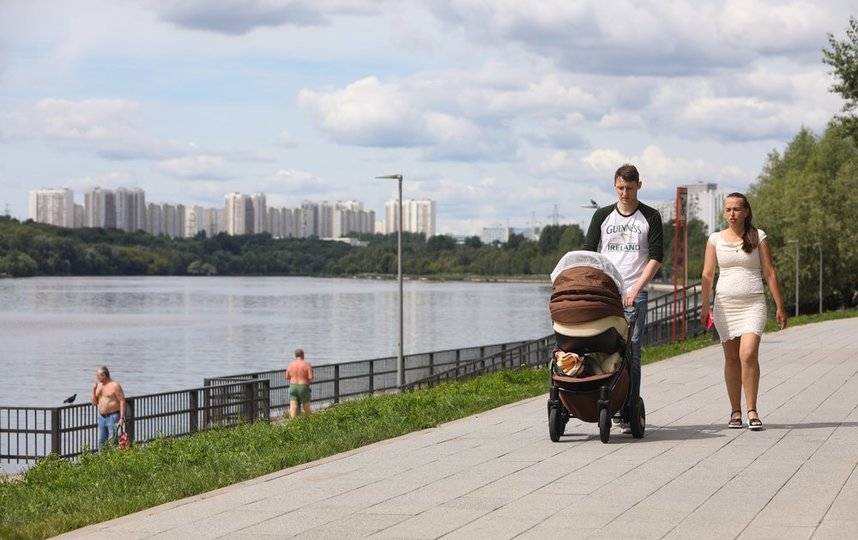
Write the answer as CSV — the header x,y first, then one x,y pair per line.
x,y
627,172
103,369
299,353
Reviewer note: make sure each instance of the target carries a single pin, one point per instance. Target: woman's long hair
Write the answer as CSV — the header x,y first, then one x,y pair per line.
x,y
750,238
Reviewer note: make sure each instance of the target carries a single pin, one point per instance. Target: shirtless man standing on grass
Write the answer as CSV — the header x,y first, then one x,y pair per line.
x,y
108,397
299,374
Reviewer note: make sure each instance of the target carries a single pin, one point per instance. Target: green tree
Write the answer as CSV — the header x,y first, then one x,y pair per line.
x,y
843,58
18,264
808,196
440,243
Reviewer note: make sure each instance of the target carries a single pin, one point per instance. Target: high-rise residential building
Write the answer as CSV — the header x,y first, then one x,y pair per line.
x,y
54,206
154,221
199,219
325,220
260,214
130,209
167,219
78,216
349,217
99,208
238,212
281,222
292,219
418,216
307,223
705,203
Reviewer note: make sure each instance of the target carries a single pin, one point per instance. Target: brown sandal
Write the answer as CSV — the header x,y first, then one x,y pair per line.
x,y
735,421
754,424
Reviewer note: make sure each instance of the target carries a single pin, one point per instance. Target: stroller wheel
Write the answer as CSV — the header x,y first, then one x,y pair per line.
x,y
604,425
555,424
638,418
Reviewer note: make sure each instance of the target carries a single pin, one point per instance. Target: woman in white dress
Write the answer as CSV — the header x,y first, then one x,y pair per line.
x,y
744,260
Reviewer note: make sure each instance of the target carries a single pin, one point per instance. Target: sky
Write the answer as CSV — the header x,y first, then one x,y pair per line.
x,y
505,113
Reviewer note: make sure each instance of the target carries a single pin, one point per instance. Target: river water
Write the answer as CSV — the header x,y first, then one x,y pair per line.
x,y
159,334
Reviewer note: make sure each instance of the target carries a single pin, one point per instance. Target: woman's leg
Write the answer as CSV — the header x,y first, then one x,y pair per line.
x,y
733,373
749,351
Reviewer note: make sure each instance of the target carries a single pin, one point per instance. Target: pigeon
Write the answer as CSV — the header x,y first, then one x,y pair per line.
x,y
594,203
70,399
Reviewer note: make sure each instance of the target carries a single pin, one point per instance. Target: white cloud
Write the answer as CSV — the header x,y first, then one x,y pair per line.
x,y
196,166
366,113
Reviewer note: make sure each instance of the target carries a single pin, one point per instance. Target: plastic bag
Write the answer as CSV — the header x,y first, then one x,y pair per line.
x,y
122,440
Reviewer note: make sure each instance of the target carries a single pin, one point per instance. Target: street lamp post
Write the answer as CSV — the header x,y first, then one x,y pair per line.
x,y
796,274
400,362
819,247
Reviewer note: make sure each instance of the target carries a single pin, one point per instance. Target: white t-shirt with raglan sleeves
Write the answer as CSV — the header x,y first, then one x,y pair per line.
x,y
628,241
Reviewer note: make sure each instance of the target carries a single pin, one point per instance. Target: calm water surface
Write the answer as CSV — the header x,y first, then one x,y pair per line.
x,y
167,333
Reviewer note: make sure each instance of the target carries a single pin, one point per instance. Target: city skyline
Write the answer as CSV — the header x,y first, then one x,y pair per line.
x,y
500,112
126,209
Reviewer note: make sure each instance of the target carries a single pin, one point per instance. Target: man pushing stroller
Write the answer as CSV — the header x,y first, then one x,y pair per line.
x,y
629,233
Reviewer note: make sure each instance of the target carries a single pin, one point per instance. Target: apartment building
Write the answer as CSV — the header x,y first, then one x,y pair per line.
x,y
54,206
418,216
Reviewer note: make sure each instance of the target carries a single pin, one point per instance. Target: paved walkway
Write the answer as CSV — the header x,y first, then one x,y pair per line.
x,y
497,475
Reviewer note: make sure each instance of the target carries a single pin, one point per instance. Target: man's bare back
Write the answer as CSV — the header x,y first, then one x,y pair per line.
x,y
299,372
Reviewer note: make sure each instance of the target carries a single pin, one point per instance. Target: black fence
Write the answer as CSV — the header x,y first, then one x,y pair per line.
x,y
531,354
28,433
662,327
335,383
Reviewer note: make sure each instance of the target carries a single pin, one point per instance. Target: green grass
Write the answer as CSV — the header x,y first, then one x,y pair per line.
x,y
58,495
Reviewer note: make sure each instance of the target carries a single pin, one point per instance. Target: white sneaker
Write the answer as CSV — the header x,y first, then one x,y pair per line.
x,y
626,427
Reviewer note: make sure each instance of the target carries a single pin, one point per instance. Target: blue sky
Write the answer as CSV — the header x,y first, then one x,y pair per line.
x,y
497,110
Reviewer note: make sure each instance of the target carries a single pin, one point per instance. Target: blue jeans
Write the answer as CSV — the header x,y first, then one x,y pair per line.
x,y
637,336
107,427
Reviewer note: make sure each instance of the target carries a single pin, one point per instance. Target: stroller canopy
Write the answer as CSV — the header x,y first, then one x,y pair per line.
x,y
585,287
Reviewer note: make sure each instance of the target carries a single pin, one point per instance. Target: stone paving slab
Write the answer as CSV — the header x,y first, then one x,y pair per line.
x,y
497,475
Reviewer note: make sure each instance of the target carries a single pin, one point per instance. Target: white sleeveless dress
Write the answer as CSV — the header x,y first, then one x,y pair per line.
x,y
740,300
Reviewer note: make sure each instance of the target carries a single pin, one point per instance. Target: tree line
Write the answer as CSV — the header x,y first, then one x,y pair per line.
x,y
36,249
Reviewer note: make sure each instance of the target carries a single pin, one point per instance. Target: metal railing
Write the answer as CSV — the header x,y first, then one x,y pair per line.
x,y
660,327
335,383
28,433
531,354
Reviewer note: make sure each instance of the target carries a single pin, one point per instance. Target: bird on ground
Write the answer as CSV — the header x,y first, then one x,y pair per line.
x,y
70,399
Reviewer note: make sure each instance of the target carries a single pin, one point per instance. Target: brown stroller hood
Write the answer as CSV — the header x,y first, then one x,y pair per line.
x,y
582,293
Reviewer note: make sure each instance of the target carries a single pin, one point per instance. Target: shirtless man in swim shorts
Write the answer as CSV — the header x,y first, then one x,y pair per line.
x,y
108,397
299,374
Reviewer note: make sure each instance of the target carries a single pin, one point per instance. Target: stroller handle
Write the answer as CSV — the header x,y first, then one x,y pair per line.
x,y
631,313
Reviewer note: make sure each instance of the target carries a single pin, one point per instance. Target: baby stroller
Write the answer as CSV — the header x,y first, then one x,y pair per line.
x,y
590,368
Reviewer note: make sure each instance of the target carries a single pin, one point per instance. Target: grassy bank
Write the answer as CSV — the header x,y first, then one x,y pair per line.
x,y
57,495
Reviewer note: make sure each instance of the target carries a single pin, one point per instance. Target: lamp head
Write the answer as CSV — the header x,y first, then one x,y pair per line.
x,y
390,177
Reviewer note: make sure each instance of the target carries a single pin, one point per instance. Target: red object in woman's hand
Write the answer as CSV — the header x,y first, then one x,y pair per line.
x,y
710,321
